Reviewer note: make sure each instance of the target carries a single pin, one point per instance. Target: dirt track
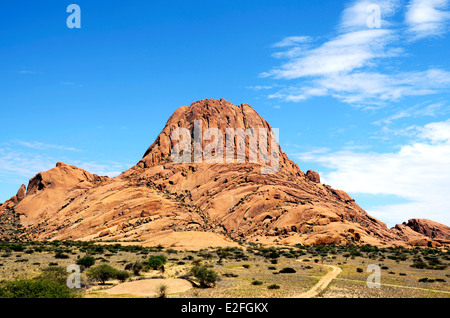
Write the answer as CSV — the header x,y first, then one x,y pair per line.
x,y
322,284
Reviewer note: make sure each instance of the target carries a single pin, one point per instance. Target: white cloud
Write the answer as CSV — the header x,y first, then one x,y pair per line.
x,y
418,172
352,66
344,53
25,163
259,87
427,18
368,89
43,146
292,40
419,110
355,15
18,163
109,168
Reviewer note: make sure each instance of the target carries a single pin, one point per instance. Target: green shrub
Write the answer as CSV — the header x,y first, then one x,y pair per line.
x,y
54,274
288,270
257,282
102,273
34,288
17,247
205,276
157,262
61,255
122,275
86,261
273,286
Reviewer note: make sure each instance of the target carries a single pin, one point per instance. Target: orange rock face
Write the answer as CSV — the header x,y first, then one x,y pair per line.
x,y
159,200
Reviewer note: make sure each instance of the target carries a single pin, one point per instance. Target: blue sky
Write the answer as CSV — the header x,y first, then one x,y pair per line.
x,y
365,106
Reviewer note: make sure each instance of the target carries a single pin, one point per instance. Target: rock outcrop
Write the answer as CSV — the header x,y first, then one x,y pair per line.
x,y
159,200
429,228
313,176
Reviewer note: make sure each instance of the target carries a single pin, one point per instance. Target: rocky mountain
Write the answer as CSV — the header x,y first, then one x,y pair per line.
x,y
209,199
423,232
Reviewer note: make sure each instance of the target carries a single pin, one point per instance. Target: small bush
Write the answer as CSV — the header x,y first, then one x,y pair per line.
x,y
102,273
287,270
205,276
34,288
136,267
162,291
54,274
60,255
273,286
86,261
257,282
122,275
246,266
230,275
359,270
157,262
426,280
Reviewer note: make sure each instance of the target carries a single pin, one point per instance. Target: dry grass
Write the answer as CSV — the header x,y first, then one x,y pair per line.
x,y
398,279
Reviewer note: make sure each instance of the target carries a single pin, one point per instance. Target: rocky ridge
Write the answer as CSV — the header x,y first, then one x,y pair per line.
x,y
160,201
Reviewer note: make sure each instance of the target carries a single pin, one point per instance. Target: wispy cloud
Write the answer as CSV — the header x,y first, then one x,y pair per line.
x,y
427,18
44,146
419,110
107,168
292,41
354,66
27,72
356,14
344,53
259,87
16,163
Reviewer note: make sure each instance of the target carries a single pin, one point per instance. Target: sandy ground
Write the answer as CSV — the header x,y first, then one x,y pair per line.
x,y
188,240
149,287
